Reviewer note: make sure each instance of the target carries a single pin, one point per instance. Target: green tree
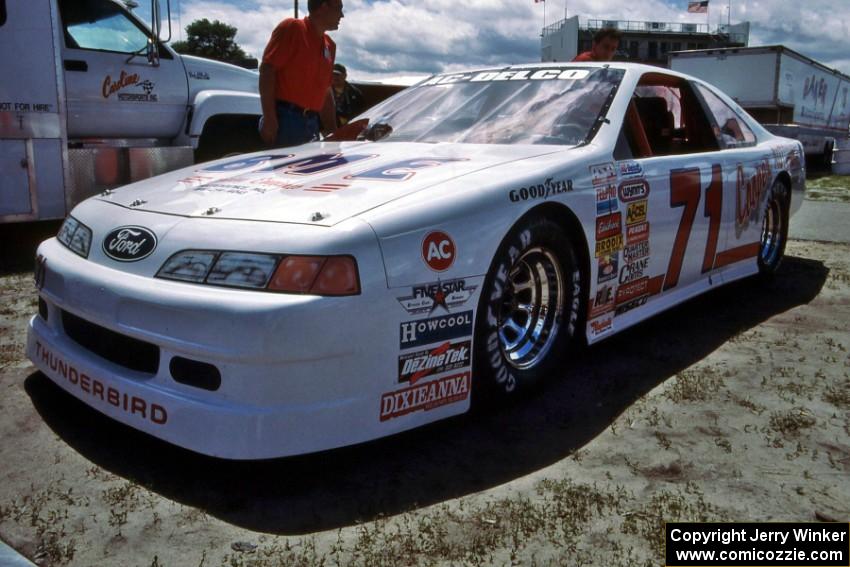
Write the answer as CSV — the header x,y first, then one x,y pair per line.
x,y
213,40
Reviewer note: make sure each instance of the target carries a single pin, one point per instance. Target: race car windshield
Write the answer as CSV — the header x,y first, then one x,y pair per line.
x,y
562,106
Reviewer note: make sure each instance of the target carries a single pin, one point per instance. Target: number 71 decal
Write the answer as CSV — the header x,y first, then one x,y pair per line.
x,y
685,191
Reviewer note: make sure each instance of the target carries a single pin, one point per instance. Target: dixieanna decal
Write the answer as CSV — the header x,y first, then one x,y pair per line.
x,y
415,366
541,191
438,251
636,212
425,396
428,331
426,298
94,388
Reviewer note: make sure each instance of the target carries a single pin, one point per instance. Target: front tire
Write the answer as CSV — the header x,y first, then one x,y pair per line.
x,y
774,231
529,311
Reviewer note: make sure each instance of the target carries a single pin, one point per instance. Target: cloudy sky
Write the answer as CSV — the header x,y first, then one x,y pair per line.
x,y
404,37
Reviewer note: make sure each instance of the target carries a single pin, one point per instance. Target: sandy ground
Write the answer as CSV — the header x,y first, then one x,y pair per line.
x,y
734,406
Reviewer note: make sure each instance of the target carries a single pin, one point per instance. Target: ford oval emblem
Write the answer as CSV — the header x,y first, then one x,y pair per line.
x,y
129,243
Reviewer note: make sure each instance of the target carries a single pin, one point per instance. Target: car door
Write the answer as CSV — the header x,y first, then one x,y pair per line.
x,y
744,195
672,176
110,92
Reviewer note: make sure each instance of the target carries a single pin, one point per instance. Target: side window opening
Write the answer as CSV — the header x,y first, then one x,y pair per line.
x,y
100,25
665,118
728,126
2,12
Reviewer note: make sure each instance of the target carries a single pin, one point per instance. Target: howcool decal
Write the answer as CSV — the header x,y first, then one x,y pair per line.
x,y
426,298
636,212
541,191
633,190
749,195
426,396
415,366
438,251
428,331
608,226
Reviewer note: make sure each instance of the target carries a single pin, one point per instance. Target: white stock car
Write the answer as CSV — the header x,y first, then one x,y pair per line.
x,y
451,243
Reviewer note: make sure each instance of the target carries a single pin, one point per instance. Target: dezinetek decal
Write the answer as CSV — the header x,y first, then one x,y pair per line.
x,y
415,366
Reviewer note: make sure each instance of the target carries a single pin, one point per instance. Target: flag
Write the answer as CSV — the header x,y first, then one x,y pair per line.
x,y
698,7
536,1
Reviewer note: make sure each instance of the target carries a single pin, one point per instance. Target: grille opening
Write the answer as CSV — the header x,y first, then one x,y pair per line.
x,y
193,373
42,308
116,348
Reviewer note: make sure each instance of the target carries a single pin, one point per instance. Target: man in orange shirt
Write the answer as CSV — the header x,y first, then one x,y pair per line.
x,y
605,44
295,77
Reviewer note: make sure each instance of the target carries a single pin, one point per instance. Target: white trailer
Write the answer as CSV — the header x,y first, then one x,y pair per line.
x,y
790,94
92,98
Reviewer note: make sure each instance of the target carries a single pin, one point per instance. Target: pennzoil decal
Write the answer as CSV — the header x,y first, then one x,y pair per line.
x,y
415,366
426,298
425,396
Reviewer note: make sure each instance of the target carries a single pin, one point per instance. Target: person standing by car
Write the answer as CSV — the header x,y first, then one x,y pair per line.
x,y
604,46
348,98
295,77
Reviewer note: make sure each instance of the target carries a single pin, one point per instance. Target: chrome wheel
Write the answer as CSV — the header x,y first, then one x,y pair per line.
x,y
529,320
772,233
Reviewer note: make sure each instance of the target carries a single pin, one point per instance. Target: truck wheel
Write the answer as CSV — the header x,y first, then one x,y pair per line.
x,y
774,230
529,311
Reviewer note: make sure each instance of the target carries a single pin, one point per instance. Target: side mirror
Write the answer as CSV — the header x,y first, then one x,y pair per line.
x,y
153,52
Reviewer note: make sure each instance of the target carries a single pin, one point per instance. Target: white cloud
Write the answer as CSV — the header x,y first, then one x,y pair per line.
x,y
385,37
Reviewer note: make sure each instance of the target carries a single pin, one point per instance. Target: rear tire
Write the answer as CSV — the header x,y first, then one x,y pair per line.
x,y
774,231
529,311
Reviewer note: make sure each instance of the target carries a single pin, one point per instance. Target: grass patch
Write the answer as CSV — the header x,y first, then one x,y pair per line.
x,y
831,188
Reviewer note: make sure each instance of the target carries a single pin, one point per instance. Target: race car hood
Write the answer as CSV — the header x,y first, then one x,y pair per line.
x,y
320,183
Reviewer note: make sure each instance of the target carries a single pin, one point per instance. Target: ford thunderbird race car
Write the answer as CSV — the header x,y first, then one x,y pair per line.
x,y
451,244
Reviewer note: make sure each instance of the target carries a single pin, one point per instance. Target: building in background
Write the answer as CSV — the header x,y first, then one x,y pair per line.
x,y
641,42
